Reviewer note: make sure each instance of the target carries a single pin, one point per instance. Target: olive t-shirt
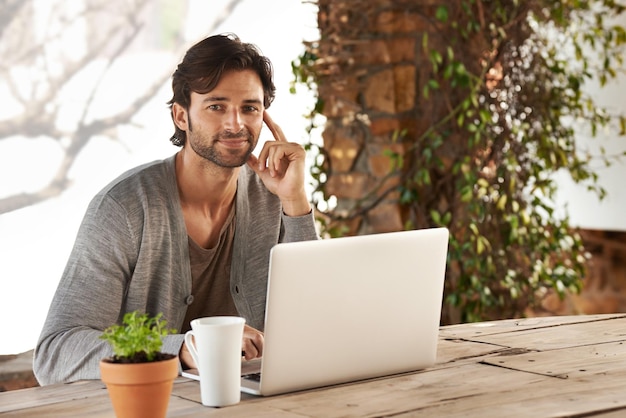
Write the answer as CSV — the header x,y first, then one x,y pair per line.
x,y
210,275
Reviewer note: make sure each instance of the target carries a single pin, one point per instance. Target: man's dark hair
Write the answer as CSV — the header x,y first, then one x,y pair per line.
x,y
206,62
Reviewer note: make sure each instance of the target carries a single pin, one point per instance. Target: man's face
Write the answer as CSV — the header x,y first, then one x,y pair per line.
x,y
224,125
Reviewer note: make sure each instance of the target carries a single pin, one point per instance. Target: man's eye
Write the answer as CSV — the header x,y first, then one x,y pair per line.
x,y
250,109
214,107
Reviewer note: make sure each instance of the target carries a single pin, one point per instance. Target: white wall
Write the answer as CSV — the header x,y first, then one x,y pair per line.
x,y
584,207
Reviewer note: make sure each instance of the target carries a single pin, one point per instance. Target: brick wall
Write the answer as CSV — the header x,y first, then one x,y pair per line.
x,y
369,78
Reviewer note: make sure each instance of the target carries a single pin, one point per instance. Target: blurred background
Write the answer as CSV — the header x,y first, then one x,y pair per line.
x,y
84,86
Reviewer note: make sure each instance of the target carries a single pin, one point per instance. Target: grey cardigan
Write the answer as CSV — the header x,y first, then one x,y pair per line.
x,y
131,253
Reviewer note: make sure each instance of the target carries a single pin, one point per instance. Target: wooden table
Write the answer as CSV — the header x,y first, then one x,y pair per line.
x,y
573,366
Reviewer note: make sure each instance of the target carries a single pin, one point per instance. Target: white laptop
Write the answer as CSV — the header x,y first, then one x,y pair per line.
x,y
346,309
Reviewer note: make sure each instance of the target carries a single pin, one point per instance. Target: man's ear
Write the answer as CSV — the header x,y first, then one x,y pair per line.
x,y
180,116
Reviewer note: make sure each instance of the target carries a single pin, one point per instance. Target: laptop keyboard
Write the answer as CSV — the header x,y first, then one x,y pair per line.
x,y
256,377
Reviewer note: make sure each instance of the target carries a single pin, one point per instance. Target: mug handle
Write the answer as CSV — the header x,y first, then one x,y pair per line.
x,y
191,346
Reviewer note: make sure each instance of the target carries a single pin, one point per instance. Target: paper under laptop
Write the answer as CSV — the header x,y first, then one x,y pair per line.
x,y
346,309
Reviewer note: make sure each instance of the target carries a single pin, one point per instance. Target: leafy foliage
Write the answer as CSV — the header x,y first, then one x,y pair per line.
x,y
139,336
504,98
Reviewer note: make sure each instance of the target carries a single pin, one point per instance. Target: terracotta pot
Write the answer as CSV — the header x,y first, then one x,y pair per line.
x,y
140,390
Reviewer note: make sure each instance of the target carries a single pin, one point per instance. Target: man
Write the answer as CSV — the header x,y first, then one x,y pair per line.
x,y
188,236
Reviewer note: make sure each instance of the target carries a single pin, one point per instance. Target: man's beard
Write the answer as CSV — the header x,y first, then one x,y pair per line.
x,y
229,158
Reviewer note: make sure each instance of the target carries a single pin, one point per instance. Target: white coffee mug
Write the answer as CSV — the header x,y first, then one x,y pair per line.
x,y
216,349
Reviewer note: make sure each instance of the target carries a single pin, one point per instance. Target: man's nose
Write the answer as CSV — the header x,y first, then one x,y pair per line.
x,y
233,122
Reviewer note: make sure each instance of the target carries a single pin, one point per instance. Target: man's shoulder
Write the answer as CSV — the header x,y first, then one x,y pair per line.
x,y
147,178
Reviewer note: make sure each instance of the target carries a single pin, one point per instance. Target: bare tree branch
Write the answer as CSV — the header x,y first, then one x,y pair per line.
x,y
41,111
9,8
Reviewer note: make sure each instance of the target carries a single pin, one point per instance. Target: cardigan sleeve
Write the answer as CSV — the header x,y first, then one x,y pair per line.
x,y
298,228
88,297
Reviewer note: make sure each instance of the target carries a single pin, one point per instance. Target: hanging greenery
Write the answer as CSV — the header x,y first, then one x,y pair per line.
x,y
502,85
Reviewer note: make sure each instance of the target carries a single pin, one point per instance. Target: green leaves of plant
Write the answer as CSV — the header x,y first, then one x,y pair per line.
x,y
501,94
138,333
441,14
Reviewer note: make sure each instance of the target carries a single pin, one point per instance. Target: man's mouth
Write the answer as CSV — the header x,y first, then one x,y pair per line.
x,y
233,143
238,140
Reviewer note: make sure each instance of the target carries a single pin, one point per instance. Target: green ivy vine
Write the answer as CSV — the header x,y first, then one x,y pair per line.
x,y
506,96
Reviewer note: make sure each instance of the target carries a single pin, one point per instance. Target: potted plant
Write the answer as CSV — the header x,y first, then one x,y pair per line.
x,y
139,377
